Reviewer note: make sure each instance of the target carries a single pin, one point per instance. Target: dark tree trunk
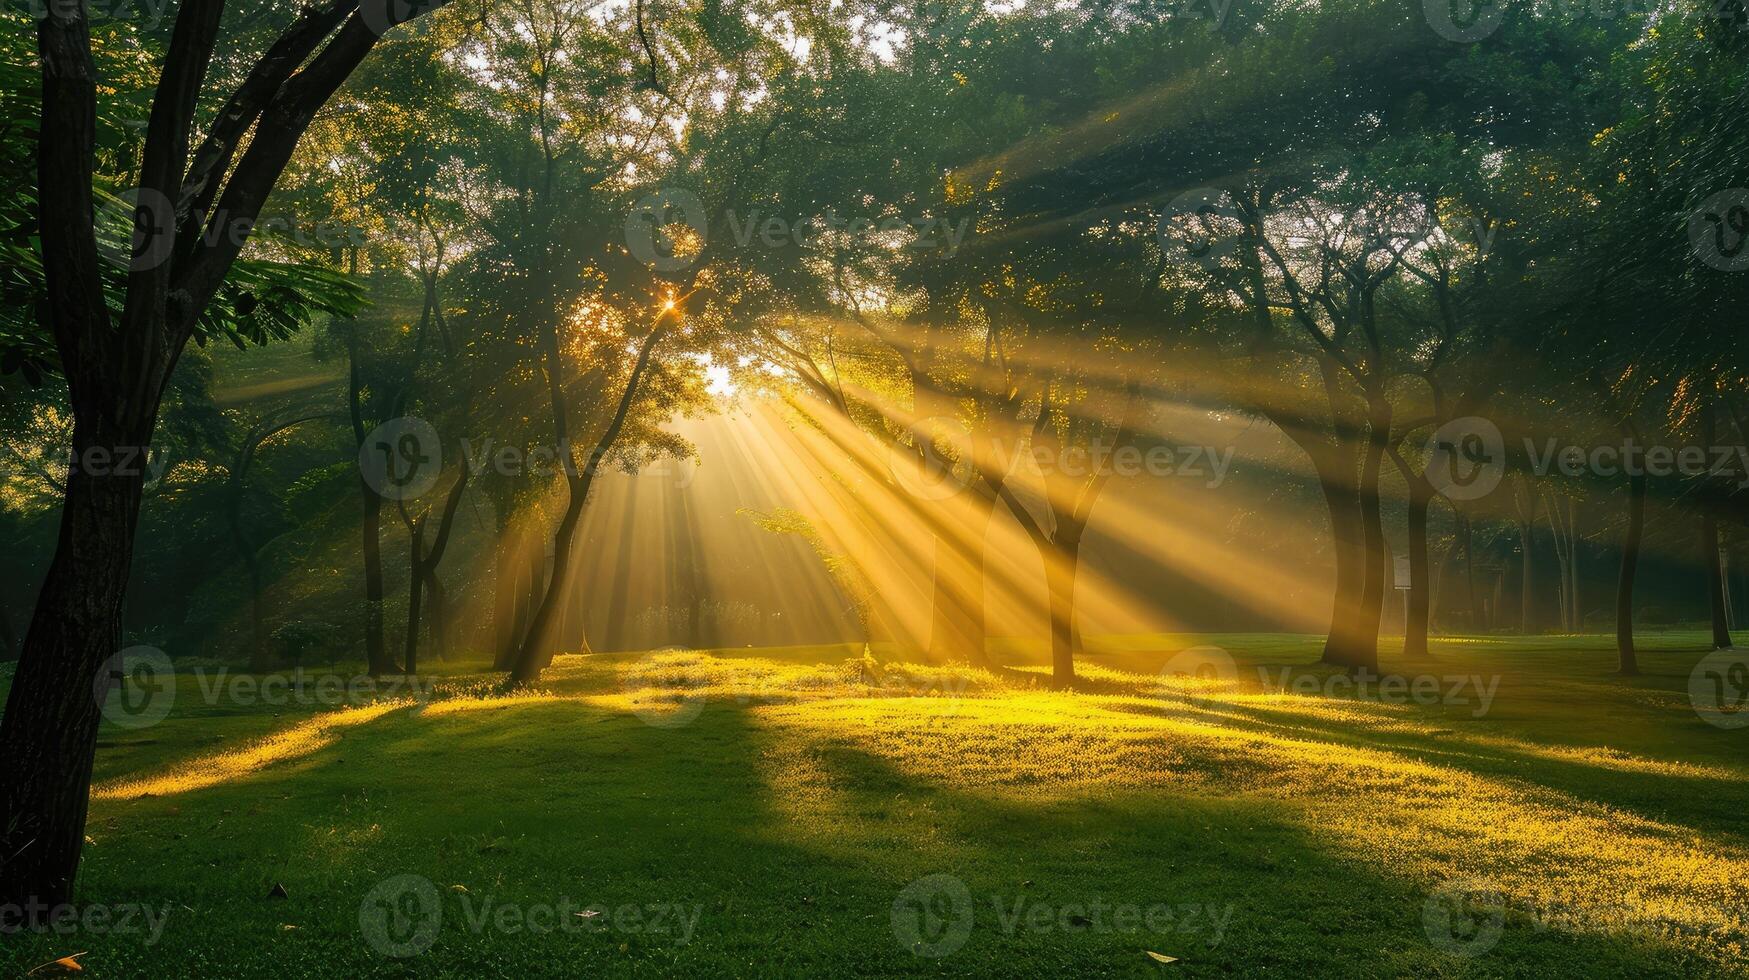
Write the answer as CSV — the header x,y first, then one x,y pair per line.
x,y
116,371
1710,559
1374,554
1527,621
1420,571
1340,646
8,639
424,571
1061,564
507,568
415,596
1713,563
52,714
258,661
536,652
1476,624
1630,564
376,653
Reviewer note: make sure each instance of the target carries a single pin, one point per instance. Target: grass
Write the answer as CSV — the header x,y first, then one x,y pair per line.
x,y
802,812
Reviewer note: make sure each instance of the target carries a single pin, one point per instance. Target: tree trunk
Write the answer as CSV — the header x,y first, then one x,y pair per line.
x,y
8,639
507,568
48,736
1630,563
1468,532
376,654
536,652
415,596
1348,540
1527,578
258,661
1374,555
1062,561
1714,567
1420,577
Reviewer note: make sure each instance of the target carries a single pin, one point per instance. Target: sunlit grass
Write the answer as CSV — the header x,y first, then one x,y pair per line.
x,y
1609,844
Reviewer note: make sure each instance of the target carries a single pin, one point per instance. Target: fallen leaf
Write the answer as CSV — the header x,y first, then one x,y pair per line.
x,y
458,888
66,964
1160,957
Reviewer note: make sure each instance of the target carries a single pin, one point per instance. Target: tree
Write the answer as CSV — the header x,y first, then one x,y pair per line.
x,y
117,369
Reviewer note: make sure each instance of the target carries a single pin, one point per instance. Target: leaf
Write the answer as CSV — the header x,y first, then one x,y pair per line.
x,y
66,964
1160,957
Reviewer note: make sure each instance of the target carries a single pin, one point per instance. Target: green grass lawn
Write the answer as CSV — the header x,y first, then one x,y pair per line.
x,y
784,812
